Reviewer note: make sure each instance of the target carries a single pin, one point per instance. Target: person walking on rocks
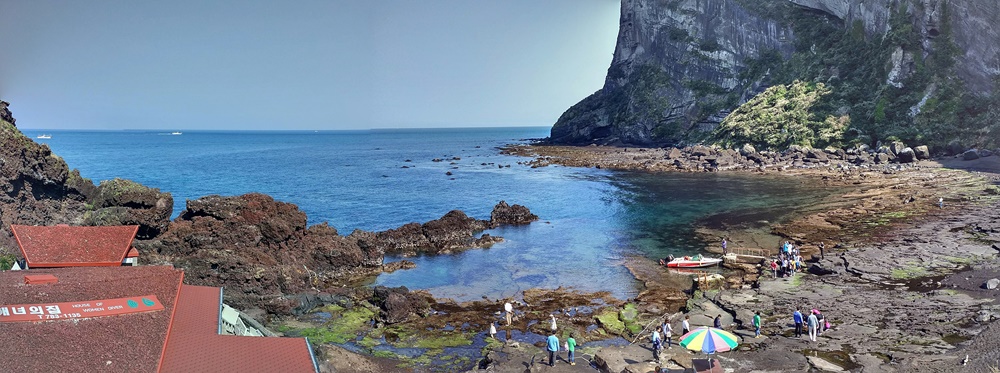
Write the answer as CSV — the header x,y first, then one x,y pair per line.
x,y
756,324
822,248
718,322
657,344
813,323
553,326
508,312
668,332
552,345
724,251
774,267
571,347
686,325
797,317
493,330
821,324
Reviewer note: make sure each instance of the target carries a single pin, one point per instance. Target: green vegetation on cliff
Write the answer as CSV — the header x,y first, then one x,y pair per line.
x,y
780,117
882,83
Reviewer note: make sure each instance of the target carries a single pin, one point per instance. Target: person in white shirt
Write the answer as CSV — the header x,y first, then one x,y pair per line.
x,y
686,325
668,332
509,312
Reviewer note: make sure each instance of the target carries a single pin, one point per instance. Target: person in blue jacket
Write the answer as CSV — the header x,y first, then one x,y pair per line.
x,y
797,317
553,347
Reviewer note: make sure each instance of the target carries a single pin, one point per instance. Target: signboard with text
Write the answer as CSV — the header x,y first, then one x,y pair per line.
x,y
79,310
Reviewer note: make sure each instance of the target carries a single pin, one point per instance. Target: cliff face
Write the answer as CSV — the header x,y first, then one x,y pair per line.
x,y
680,66
38,188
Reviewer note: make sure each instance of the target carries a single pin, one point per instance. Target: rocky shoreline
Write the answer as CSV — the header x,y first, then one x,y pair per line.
x,y
310,280
910,299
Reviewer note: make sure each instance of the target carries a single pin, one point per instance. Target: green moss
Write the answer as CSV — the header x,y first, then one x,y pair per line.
x,y
630,316
369,342
895,215
909,273
386,355
958,260
341,328
608,319
491,345
796,280
112,190
442,341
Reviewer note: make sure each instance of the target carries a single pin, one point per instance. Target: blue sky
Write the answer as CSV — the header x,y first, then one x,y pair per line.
x,y
302,64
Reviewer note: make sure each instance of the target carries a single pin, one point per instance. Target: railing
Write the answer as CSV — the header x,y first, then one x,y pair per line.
x,y
746,251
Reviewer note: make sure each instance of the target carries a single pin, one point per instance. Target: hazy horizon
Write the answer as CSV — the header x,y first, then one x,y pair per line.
x,y
312,65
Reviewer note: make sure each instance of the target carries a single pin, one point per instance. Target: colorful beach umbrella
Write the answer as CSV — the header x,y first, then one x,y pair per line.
x,y
709,340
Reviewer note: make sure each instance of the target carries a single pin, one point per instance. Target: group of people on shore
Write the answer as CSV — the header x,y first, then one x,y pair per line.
x,y
666,331
789,261
551,342
815,322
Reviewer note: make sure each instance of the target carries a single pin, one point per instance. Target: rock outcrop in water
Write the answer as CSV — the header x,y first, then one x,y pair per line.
x,y
38,188
453,231
681,66
260,249
263,251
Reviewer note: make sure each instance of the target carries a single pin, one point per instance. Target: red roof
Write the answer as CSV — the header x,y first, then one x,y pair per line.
x,y
194,344
66,246
132,253
122,343
40,279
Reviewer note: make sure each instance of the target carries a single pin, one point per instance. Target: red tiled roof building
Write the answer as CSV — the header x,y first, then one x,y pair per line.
x,y
157,325
71,246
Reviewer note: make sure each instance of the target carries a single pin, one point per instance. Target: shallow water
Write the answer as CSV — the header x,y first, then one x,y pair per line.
x,y
374,180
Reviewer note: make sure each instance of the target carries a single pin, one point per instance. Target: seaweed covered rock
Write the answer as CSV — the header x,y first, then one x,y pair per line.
x,y
504,214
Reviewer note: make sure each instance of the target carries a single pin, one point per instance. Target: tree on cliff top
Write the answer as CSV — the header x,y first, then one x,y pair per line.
x,y
780,117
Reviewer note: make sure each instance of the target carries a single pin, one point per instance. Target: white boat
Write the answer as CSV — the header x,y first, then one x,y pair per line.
x,y
693,262
44,137
177,133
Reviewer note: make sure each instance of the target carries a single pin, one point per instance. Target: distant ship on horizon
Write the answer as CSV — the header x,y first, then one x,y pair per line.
x,y
44,137
177,133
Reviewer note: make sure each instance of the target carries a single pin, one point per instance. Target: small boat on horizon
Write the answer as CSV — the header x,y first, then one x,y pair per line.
x,y
44,137
696,261
177,133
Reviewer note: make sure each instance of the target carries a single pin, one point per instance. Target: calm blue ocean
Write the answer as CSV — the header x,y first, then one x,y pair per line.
x,y
590,219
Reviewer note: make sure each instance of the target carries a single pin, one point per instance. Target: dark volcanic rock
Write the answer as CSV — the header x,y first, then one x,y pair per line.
x,y
453,231
5,114
125,202
504,214
970,155
398,304
38,188
906,155
260,250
